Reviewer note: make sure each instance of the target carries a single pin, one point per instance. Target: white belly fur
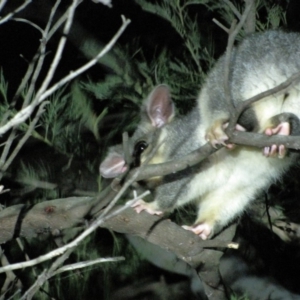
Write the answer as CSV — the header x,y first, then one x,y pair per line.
x,y
224,189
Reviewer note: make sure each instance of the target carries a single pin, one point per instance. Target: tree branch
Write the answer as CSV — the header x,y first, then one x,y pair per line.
x,y
10,15
50,217
24,114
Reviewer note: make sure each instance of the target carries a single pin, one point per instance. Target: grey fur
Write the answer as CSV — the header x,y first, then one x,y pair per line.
x,y
227,181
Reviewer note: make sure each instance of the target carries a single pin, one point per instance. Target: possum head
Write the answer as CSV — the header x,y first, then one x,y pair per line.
x,y
157,111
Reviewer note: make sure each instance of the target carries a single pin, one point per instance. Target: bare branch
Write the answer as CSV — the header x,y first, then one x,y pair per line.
x,y
2,3
35,287
60,48
261,140
84,264
24,114
59,22
166,234
7,146
10,276
49,209
85,67
25,137
221,25
30,23
54,270
281,88
10,15
104,2
234,30
251,18
234,9
39,57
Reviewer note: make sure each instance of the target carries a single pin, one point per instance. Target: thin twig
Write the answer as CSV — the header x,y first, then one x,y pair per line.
x,y
249,25
85,67
22,86
221,25
10,15
40,56
133,175
66,247
7,146
25,137
234,30
2,3
10,276
234,9
59,22
47,274
35,287
59,51
226,82
281,88
127,205
24,114
30,23
84,264
127,156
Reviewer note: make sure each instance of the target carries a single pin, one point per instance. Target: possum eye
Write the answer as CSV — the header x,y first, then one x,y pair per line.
x,y
139,148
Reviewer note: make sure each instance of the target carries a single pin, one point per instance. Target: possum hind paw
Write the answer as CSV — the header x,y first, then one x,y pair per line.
x,y
141,205
203,230
274,150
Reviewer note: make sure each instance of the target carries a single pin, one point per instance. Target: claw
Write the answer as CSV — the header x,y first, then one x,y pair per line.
x,y
283,128
217,136
203,230
141,205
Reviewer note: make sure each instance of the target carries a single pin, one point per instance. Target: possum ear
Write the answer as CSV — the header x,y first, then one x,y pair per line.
x,y
159,106
113,165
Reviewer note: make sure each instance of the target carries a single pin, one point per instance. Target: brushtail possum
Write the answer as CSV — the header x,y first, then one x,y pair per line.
x,y
224,184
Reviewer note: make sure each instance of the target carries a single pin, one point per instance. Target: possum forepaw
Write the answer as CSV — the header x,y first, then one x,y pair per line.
x,y
150,208
283,128
203,230
217,136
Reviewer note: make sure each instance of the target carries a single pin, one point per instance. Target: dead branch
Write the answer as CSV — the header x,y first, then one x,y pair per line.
x,y
234,30
10,15
237,137
17,219
43,92
35,70
249,25
261,140
58,53
221,25
25,137
56,269
2,3
38,59
45,218
53,217
233,8
166,234
184,244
